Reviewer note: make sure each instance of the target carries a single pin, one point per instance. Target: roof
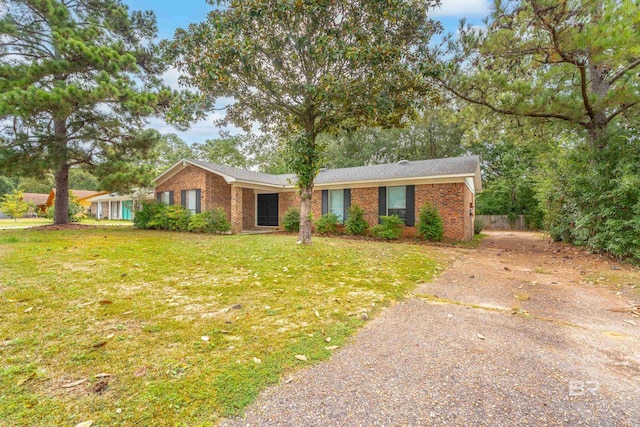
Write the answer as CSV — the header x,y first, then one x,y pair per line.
x,y
403,169
116,196
453,167
35,198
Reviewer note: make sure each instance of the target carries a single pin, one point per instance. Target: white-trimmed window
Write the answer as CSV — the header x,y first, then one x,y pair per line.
x,y
336,203
397,201
191,203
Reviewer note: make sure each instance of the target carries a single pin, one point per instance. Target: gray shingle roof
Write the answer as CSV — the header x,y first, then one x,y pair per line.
x,y
413,169
245,175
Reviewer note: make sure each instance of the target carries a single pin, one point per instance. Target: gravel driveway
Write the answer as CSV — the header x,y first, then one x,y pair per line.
x,y
511,334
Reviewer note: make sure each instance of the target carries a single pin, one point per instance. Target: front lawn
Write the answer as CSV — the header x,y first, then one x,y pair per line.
x,y
172,329
34,222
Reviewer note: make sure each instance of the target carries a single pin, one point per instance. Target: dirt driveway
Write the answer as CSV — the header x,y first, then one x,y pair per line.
x,y
519,332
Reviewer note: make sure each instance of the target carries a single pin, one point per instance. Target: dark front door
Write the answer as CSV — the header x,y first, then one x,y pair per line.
x,y
267,209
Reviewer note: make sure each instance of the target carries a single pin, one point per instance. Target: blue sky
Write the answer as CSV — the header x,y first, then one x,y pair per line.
x,y
173,14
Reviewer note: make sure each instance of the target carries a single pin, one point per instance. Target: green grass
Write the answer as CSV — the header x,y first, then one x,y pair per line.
x,y
34,222
135,304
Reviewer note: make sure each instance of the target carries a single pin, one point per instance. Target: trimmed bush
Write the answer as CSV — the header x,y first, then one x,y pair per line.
x,y
212,221
327,223
390,228
145,218
477,226
176,218
430,225
355,223
219,222
291,220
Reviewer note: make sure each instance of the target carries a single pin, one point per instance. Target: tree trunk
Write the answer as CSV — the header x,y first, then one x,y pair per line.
x,y
305,215
61,174
62,196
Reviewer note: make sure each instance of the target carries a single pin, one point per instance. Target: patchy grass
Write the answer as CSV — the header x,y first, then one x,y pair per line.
x,y
77,304
34,222
473,243
624,277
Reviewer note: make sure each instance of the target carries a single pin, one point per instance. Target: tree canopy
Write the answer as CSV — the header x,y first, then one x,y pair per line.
x,y
307,67
78,79
570,61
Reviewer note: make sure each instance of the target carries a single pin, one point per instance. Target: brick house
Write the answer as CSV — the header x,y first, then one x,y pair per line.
x,y
255,200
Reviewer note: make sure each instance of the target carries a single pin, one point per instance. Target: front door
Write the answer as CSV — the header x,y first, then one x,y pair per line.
x,y
127,206
268,210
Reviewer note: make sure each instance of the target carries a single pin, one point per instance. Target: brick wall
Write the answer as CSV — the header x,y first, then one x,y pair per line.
x,y
248,208
449,199
287,200
452,201
215,192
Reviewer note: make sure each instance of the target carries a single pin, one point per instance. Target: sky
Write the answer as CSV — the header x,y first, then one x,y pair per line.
x,y
173,14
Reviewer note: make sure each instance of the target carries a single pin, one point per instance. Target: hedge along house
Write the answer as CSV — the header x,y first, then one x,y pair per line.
x,y
255,200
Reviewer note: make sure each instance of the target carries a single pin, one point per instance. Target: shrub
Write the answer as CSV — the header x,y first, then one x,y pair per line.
x,y
355,223
430,225
218,221
291,220
327,223
592,196
199,223
390,228
477,226
149,216
176,218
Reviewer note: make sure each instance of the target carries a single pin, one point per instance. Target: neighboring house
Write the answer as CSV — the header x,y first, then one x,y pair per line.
x,y
254,199
36,199
83,197
117,206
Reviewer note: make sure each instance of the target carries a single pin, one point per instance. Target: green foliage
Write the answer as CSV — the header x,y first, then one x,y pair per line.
x,y
430,225
82,79
327,223
433,133
569,62
168,151
592,198
212,221
291,220
356,223
176,218
477,226
226,150
159,216
75,210
6,185
145,217
13,205
390,228
297,68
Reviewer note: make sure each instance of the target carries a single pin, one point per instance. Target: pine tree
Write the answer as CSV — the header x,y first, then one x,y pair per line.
x,y
77,80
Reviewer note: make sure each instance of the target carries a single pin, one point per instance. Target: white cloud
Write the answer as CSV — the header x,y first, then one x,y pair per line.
x,y
198,132
461,9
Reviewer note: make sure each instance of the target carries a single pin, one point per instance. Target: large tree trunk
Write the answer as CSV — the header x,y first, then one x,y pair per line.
x,y
62,196
305,215
61,174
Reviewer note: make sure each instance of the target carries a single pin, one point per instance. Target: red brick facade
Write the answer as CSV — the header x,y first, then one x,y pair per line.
x,y
215,192
454,201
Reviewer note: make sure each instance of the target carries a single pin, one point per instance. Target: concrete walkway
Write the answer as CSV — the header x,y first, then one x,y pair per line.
x,y
511,334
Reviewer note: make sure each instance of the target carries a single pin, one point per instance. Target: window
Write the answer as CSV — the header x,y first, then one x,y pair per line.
x,y
397,201
165,197
191,200
336,203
